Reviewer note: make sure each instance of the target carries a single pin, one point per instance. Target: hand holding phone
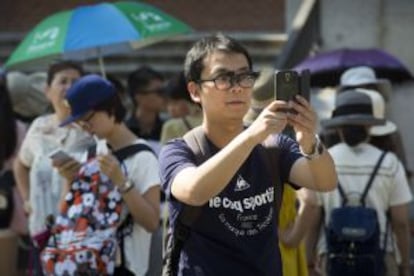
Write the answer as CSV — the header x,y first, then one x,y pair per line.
x,y
66,165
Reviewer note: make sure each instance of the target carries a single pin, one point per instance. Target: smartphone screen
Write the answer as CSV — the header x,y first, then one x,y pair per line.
x,y
60,156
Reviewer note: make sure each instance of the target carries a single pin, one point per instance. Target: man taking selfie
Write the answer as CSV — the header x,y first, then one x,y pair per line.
x,y
235,231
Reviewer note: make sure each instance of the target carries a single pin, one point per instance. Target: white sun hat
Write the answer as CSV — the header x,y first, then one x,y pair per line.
x,y
360,76
378,104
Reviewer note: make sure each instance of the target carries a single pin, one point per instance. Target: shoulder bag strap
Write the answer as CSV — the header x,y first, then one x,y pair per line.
x,y
198,144
186,123
342,194
371,178
364,195
127,151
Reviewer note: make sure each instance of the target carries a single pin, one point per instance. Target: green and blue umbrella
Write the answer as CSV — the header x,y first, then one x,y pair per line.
x,y
95,31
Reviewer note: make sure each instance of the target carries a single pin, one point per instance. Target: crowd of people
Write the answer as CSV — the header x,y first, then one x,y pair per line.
x,y
197,174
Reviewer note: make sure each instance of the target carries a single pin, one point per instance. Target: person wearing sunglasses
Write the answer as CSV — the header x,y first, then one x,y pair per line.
x,y
145,89
235,232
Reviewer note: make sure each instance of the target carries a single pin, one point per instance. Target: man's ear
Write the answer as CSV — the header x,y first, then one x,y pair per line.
x,y
193,89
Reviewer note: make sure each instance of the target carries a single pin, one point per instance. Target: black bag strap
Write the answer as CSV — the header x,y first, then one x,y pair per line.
x,y
130,150
125,228
197,142
367,187
371,178
187,123
342,194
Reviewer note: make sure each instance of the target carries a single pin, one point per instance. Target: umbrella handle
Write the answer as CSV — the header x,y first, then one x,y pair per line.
x,y
102,66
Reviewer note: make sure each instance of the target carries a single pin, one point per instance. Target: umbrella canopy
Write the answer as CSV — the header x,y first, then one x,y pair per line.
x,y
327,67
95,31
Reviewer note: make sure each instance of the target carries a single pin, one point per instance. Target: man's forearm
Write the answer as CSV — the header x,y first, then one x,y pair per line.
x,y
324,172
197,186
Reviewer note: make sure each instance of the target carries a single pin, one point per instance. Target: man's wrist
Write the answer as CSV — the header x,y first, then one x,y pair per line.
x,y
309,147
316,149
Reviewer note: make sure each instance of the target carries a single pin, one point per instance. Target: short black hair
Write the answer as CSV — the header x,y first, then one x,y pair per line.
x,y
140,78
59,66
176,88
113,107
193,65
352,135
120,88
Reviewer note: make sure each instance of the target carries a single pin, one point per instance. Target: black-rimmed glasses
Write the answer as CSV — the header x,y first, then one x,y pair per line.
x,y
228,80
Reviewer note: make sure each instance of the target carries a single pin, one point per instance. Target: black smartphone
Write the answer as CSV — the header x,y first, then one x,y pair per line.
x,y
289,83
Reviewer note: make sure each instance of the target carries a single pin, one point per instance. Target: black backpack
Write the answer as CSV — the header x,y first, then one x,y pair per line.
x,y
197,141
353,237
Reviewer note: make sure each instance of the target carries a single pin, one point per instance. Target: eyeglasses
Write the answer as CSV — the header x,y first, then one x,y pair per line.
x,y
228,80
158,91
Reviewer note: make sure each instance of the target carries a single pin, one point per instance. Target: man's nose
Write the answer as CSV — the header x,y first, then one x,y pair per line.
x,y
235,86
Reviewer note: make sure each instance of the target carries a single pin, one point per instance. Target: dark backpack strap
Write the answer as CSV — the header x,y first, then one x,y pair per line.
x,y
342,194
125,228
197,142
364,195
186,123
371,178
91,153
367,187
127,151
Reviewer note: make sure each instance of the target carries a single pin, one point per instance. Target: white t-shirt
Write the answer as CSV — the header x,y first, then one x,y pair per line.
x,y
354,166
43,137
142,169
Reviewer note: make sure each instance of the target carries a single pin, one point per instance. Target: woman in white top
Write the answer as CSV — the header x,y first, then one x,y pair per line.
x,y
39,184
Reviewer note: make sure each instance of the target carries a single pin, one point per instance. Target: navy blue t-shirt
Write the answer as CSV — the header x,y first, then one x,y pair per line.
x,y
236,232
